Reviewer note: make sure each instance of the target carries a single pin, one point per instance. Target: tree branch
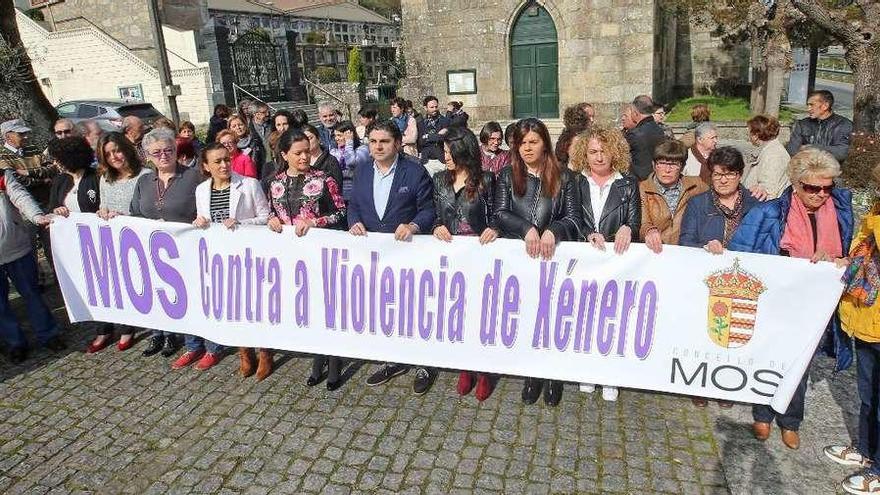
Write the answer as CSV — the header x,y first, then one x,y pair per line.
x,y
829,20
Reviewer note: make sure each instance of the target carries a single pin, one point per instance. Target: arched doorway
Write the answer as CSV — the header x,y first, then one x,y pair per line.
x,y
534,64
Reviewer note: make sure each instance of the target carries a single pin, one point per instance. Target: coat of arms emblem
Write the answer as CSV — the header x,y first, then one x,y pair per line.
x,y
733,305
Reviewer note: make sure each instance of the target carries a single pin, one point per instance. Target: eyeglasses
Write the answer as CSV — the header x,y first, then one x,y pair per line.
x,y
63,132
725,175
227,144
814,189
162,152
495,139
669,165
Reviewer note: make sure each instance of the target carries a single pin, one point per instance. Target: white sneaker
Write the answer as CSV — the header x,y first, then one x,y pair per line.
x,y
863,483
609,393
846,455
587,388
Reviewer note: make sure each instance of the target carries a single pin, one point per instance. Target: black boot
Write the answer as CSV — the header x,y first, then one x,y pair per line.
x,y
171,345
317,375
156,342
553,393
333,379
531,390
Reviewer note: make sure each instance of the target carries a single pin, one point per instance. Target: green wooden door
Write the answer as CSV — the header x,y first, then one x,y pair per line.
x,y
534,65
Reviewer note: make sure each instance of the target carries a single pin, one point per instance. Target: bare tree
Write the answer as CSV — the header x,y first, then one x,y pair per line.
x,y
856,25
22,95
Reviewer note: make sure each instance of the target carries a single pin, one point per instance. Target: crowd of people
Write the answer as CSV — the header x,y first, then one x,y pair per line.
x,y
606,186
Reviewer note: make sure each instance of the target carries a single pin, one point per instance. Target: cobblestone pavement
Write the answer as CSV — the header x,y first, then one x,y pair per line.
x,y
120,423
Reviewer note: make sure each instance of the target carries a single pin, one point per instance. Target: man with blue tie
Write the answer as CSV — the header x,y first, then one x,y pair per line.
x,y
395,195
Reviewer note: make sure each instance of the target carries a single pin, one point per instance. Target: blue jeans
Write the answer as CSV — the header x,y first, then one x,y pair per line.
x,y
196,343
868,382
793,416
23,273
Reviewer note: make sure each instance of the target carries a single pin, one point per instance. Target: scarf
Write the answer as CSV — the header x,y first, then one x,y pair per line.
x,y
732,216
705,173
797,238
245,143
862,276
401,121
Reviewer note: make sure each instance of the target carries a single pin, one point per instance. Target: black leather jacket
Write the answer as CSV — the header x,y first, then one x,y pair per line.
x,y
453,210
516,215
831,135
623,207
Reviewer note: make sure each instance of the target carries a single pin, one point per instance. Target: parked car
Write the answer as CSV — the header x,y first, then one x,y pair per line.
x,y
107,113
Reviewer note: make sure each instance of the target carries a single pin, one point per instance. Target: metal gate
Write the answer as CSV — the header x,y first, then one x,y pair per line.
x,y
260,66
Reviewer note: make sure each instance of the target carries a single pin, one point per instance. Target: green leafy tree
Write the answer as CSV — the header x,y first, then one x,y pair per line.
x,y
356,69
770,28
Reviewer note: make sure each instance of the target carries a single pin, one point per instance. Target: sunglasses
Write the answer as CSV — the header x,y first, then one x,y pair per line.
x,y
814,189
63,132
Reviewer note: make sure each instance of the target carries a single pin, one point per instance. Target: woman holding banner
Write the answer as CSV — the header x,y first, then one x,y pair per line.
x,y
232,200
303,198
610,202
813,219
860,318
463,203
537,201
711,218
167,195
119,168
76,191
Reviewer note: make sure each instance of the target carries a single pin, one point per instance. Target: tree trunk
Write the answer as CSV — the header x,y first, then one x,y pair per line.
x,y
865,64
34,107
759,79
775,85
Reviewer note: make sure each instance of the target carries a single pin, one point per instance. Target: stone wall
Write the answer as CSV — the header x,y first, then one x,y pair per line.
x,y
347,91
127,21
605,49
704,64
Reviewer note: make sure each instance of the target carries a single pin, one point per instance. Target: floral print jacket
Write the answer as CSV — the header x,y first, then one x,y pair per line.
x,y
313,195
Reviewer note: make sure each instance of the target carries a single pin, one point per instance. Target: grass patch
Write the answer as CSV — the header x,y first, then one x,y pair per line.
x,y
723,109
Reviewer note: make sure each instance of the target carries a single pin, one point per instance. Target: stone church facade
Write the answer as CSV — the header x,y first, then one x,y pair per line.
x,y
509,59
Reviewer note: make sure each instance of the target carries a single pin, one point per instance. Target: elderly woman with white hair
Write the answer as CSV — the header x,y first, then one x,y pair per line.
x,y
167,195
697,164
812,219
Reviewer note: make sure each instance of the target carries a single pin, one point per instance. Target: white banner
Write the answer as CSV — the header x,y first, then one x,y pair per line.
x,y
738,327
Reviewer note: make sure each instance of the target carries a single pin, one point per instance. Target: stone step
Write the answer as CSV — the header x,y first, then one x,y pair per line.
x,y
310,109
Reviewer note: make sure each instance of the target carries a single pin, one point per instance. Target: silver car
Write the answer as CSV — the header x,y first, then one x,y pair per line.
x,y
107,113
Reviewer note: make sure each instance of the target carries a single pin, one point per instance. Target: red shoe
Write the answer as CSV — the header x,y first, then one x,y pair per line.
x,y
208,361
484,387
124,346
93,348
465,383
188,358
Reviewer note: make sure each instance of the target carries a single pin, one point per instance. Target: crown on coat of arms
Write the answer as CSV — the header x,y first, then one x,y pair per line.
x,y
734,282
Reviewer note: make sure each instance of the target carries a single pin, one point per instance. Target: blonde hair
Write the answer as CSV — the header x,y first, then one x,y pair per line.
x,y
613,143
812,162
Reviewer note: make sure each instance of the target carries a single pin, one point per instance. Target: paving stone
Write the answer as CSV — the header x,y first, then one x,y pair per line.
x,y
119,423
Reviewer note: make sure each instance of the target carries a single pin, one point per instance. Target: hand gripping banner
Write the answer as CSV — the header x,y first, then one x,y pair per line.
x,y
739,327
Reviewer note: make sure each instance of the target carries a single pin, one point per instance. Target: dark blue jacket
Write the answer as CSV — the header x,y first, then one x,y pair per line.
x,y
703,222
761,232
411,199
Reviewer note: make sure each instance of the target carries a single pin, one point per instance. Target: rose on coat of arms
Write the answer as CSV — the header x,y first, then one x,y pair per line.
x,y
733,305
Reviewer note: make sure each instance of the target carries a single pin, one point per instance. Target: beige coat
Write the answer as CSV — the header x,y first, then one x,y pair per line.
x,y
770,170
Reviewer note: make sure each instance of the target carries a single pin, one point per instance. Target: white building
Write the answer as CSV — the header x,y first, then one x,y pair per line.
x,y
87,63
